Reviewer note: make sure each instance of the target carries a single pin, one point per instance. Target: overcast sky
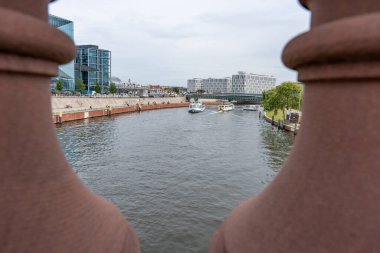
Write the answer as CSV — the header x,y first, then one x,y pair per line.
x,y
169,41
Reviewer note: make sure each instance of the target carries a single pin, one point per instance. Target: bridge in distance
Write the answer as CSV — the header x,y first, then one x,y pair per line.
x,y
240,98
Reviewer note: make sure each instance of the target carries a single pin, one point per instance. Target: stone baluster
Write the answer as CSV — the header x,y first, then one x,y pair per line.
x,y
44,207
326,197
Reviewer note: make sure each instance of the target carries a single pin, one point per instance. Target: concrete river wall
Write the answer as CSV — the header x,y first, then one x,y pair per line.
x,y
77,108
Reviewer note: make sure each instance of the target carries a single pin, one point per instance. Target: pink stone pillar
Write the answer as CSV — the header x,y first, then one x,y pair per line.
x,y
326,198
44,207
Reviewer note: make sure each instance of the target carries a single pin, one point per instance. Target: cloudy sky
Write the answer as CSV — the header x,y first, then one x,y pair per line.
x,y
169,41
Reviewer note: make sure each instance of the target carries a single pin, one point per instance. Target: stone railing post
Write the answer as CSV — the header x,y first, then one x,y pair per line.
x,y
44,207
326,198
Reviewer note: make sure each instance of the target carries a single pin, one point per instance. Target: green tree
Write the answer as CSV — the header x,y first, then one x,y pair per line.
x,y
113,88
201,91
59,85
79,85
285,96
176,90
271,101
290,94
97,88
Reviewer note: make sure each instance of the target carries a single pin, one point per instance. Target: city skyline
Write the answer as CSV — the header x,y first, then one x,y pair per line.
x,y
170,42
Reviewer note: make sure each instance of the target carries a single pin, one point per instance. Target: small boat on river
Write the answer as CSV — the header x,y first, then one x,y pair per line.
x,y
226,107
195,107
251,108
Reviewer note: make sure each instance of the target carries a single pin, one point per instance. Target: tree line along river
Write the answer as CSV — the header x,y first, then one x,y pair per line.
x,y
174,175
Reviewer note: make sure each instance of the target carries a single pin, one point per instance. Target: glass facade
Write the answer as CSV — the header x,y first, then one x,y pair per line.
x,y
93,66
66,72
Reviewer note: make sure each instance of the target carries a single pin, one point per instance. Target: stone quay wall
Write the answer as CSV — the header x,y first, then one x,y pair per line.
x,y
77,108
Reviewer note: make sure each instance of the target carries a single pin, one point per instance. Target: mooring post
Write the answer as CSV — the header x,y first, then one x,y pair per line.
x,y
60,117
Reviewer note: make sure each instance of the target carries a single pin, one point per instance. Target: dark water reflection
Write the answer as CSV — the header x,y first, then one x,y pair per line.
x,y
176,175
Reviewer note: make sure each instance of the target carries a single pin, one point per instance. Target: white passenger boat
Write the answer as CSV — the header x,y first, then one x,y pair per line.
x,y
251,108
226,107
195,107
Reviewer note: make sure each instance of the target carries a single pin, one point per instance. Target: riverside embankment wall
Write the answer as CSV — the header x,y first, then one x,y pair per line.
x,y
281,125
76,108
63,103
208,101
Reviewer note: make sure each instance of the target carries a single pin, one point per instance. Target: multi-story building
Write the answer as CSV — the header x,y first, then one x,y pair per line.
x,y
249,83
243,82
155,90
93,66
217,85
66,72
193,85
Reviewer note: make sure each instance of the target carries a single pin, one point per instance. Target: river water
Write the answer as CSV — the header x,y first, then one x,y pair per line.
x,y
175,175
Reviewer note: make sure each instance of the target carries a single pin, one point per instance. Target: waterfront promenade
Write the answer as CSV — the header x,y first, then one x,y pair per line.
x,y
76,108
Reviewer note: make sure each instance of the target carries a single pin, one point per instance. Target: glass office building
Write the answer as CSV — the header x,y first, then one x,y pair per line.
x,y
93,66
66,72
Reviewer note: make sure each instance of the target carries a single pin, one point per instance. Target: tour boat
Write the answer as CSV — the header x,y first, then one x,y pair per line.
x,y
195,107
251,108
226,107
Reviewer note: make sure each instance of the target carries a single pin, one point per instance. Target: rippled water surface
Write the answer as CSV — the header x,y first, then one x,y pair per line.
x,y
176,175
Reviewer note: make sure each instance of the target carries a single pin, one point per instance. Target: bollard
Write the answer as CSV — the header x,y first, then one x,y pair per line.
x,y
60,117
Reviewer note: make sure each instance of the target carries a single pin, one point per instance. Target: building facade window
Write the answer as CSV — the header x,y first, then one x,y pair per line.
x,y
66,73
93,66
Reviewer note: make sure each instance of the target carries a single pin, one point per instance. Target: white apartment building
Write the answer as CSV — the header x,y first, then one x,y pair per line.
x,y
217,85
195,84
249,83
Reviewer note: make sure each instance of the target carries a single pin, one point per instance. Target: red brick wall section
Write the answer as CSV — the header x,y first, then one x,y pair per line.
x,y
55,119
123,110
98,113
162,106
72,116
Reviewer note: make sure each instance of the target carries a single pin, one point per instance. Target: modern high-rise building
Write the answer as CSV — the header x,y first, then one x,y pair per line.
x,y
193,85
248,83
66,72
93,66
217,85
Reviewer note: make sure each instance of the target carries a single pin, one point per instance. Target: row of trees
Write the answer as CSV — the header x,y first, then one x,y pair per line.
x,y
288,95
80,86
98,88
